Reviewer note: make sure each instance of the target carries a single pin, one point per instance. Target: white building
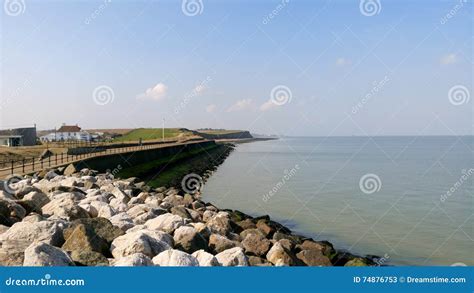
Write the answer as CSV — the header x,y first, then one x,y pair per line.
x,y
67,133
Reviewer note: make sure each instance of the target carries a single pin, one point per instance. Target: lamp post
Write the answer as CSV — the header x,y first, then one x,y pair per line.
x,y
163,130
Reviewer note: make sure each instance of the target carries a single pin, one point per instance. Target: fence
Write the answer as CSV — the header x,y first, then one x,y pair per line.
x,y
26,166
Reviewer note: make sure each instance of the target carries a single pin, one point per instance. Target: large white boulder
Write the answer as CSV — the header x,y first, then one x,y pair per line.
x,y
134,260
166,222
175,258
205,259
43,254
139,242
232,257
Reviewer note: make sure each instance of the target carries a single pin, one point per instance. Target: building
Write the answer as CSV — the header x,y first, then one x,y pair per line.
x,y
11,140
67,133
25,136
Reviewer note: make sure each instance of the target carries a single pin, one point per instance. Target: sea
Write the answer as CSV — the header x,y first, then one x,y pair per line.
x,y
406,199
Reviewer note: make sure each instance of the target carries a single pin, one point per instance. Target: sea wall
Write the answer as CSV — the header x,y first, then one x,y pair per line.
x,y
124,160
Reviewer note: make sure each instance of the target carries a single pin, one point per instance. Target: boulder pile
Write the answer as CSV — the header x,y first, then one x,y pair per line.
x,y
91,219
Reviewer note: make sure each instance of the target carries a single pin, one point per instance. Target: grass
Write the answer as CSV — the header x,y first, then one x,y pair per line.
x,y
151,134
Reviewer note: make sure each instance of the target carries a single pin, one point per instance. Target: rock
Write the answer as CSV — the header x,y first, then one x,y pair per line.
x,y
120,195
33,218
205,259
88,258
139,242
174,200
246,224
324,247
5,213
70,169
313,258
64,208
134,260
207,215
83,238
175,258
3,229
265,228
232,257
43,254
166,222
255,244
38,199
256,261
22,234
244,233
101,227
202,229
356,262
189,239
181,211
123,221
106,211
220,223
280,256
293,238
219,243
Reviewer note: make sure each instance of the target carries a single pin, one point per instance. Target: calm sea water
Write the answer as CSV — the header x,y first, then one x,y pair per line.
x,y
401,210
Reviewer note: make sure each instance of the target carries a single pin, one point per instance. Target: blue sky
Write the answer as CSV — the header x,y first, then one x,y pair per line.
x,y
342,71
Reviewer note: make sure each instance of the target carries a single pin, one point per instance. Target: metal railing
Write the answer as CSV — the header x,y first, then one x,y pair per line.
x,y
30,165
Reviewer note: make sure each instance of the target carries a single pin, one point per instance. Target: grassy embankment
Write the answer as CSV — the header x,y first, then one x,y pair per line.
x,y
149,134
168,169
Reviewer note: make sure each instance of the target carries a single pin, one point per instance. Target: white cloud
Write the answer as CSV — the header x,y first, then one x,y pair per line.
x,y
267,105
156,93
210,108
449,59
241,105
343,61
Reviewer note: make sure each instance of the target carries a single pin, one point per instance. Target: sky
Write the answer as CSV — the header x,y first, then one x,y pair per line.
x,y
286,67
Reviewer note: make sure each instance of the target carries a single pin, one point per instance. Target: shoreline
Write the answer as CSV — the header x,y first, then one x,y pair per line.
x,y
145,226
